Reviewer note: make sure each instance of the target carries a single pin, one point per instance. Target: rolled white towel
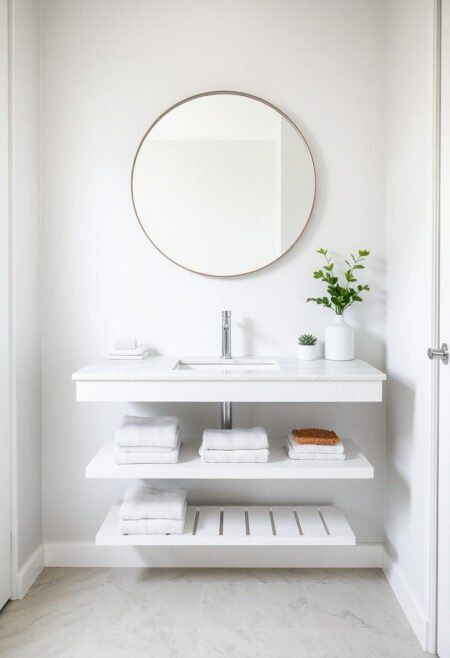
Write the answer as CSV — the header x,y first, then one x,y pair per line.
x,y
157,431
152,527
150,503
253,438
147,455
234,456
313,455
315,449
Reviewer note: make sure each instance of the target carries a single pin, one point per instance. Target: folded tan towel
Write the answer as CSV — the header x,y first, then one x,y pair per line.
x,y
313,435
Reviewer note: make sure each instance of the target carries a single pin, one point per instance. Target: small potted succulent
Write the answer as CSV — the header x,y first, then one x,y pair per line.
x,y
308,347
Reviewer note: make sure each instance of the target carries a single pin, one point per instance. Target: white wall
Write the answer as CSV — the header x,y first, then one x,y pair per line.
x,y
109,68
25,273
409,71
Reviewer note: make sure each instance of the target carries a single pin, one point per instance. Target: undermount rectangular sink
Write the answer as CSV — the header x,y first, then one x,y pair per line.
x,y
233,365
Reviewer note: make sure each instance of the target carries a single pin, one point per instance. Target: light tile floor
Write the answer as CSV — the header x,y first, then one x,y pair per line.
x,y
207,613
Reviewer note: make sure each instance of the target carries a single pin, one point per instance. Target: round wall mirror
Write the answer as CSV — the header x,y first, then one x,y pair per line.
x,y
223,183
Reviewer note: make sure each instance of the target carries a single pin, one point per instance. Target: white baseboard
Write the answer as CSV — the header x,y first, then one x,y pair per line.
x,y
29,572
414,612
87,554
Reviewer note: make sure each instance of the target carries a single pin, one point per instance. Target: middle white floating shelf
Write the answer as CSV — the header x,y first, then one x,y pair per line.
x,y
190,466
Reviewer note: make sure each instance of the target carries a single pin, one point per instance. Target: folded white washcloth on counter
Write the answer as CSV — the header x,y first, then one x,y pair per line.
x,y
124,344
253,438
122,357
293,454
149,503
234,456
152,527
147,455
156,431
131,351
314,448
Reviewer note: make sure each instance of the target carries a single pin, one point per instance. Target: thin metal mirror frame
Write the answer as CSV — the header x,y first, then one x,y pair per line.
x,y
228,93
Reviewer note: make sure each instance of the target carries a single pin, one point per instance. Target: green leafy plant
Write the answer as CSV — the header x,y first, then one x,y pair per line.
x,y
341,295
307,339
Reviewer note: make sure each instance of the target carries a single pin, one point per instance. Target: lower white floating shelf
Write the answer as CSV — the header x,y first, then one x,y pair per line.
x,y
243,526
190,466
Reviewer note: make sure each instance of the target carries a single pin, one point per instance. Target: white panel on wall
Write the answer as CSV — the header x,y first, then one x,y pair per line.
x,y
108,70
25,271
409,122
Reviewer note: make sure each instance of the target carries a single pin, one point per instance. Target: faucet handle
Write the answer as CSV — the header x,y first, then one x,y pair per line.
x,y
226,334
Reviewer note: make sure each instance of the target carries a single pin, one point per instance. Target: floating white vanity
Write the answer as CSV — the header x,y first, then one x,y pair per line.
x,y
180,215
161,379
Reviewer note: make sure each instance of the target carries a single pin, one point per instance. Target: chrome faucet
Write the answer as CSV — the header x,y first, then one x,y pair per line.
x,y
226,411
226,335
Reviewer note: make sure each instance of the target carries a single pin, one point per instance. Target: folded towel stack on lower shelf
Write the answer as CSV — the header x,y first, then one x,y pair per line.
x,y
315,444
234,446
143,440
150,511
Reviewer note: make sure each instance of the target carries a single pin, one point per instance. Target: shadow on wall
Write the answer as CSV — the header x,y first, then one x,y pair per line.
x,y
370,347
400,427
400,515
250,331
400,396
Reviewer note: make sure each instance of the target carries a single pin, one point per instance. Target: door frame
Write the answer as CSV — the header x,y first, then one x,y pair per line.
x,y
5,264
433,510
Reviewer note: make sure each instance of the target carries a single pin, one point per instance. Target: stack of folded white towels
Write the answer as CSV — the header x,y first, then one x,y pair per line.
x,y
236,445
149,511
314,443
143,440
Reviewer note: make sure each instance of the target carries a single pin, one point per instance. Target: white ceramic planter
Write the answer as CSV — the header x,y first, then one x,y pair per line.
x,y
339,341
309,352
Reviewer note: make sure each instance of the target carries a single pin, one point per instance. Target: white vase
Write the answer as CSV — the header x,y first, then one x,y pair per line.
x,y
310,352
339,341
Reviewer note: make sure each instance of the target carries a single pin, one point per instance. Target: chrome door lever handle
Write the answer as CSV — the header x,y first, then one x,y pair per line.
x,y
441,354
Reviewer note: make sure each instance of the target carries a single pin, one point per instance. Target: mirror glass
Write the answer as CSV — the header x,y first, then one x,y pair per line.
x,y
223,183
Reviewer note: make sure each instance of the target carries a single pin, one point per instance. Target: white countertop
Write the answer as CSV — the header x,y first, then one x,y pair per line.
x,y
291,369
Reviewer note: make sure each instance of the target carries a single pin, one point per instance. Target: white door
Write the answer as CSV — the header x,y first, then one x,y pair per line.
x,y
5,550
443,588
